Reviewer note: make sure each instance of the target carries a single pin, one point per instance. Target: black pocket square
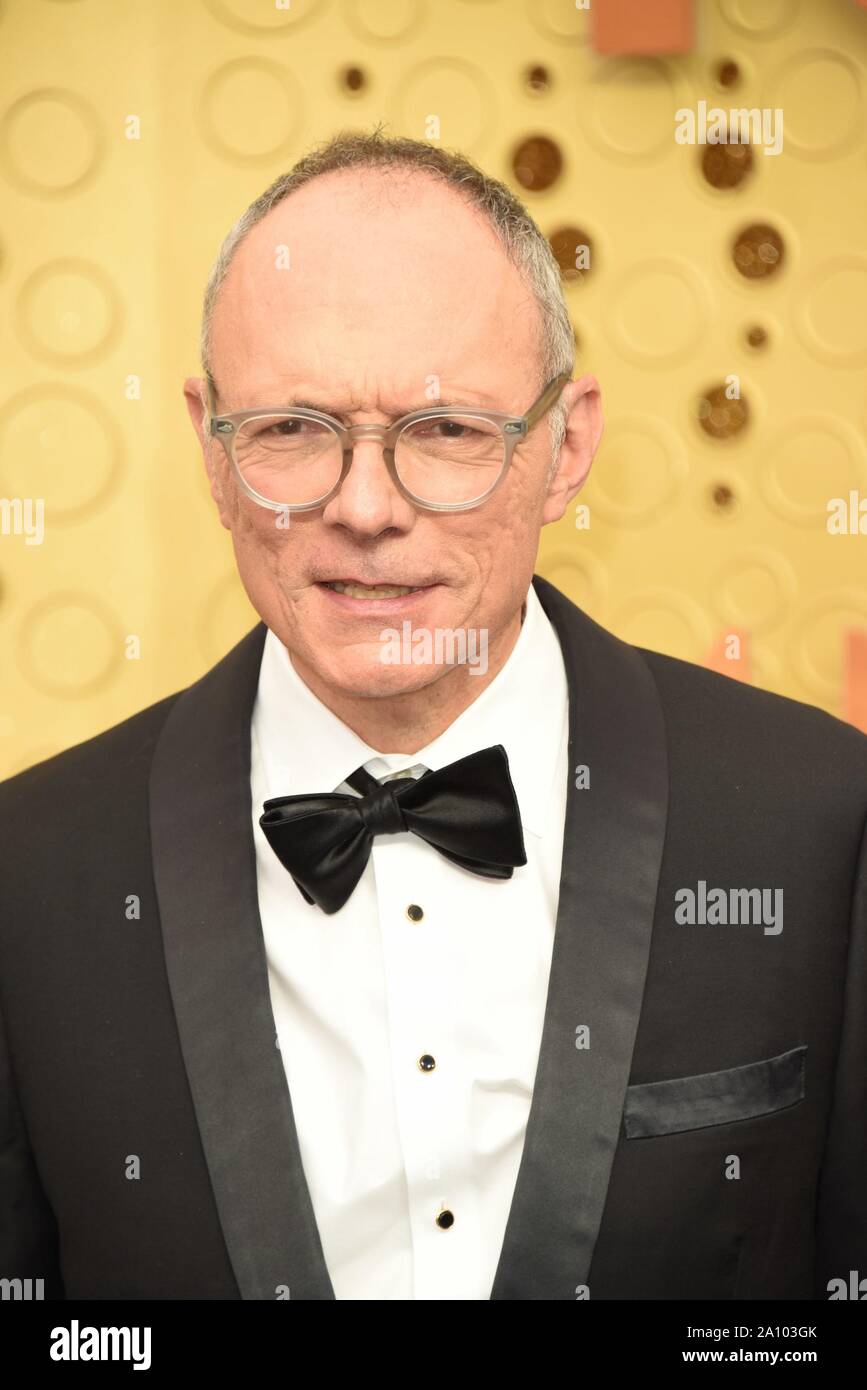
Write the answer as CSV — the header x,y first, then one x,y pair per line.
x,y
715,1097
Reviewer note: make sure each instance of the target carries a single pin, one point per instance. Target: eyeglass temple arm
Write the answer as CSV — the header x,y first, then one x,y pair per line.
x,y
212,399
547,398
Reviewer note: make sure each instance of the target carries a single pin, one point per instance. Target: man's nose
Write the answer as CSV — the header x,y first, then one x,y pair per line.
x,y
368,501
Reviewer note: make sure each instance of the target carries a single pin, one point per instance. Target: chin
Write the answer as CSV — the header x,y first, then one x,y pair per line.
x,y
373,679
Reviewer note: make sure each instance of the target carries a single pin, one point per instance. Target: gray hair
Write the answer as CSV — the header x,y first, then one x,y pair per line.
x,y
521,239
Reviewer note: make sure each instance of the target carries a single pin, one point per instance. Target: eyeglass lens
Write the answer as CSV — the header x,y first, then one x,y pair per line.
x,y
290,460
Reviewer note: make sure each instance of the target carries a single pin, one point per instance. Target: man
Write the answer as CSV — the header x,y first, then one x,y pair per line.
x,y
572,1008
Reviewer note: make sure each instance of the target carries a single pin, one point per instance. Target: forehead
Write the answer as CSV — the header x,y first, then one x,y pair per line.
x,y
374,276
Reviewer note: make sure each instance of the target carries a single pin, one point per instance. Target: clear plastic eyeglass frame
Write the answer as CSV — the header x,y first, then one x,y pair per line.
x,y
514,429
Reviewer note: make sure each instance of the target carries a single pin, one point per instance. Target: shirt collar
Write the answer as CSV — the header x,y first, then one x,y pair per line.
x,y
304,747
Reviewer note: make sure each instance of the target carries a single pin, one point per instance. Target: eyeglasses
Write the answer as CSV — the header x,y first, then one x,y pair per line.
x,y
443,459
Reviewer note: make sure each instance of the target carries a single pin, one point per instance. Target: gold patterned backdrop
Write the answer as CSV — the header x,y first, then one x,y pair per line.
x,y
721,301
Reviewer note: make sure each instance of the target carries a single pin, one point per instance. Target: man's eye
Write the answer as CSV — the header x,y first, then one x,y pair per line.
x,y
277,429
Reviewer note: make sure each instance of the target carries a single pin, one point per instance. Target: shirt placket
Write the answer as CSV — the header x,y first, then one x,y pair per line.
x,y
430,1088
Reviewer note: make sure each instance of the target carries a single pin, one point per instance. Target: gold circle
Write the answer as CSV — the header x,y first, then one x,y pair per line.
x,y
795,448
273,19
760,19
575,569
658,312
63,422
755,589
817,651
627,108
641,469
437,87
50,142
561,21
68,312
831,312
242,99
820,91
665,620
61,633
374,22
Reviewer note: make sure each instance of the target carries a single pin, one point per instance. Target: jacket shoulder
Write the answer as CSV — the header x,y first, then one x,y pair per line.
x,y
707,713
109,757
727,721
675,676
113,752
119,758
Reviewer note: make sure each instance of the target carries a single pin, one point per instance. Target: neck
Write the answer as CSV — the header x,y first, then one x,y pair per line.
x,y
406,722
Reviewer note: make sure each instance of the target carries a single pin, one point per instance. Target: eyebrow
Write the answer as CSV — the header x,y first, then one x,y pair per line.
x,y
296,403
453,404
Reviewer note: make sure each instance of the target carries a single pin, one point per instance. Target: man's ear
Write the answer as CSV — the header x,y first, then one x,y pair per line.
x,y
584,425
195,395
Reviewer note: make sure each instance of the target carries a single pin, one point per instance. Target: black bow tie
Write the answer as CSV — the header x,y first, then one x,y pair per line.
x,y
467,811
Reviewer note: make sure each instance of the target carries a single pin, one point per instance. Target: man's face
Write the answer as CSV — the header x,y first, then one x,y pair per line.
x,y
389,285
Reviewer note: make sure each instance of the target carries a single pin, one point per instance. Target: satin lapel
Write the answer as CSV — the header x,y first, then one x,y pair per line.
x,y
612,851
205,874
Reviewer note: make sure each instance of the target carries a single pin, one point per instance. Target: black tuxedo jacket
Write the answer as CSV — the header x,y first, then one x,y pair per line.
x,y
709,1142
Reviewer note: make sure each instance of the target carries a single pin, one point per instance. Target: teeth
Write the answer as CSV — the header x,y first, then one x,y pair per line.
x,y
371,591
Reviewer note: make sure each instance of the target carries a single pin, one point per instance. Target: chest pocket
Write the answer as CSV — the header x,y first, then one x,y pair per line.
x,y
715,1097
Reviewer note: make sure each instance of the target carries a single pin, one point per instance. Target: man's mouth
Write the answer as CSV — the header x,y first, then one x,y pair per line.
x,y
354,590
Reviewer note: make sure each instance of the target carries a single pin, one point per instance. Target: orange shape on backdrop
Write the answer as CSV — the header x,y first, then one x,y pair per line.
x,y
855,678
737,664
635,26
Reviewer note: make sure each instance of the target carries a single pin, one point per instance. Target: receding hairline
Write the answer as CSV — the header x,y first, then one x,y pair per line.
x,y
374,194
398,158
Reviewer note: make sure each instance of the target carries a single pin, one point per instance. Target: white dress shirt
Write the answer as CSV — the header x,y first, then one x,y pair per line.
x,y
361,995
